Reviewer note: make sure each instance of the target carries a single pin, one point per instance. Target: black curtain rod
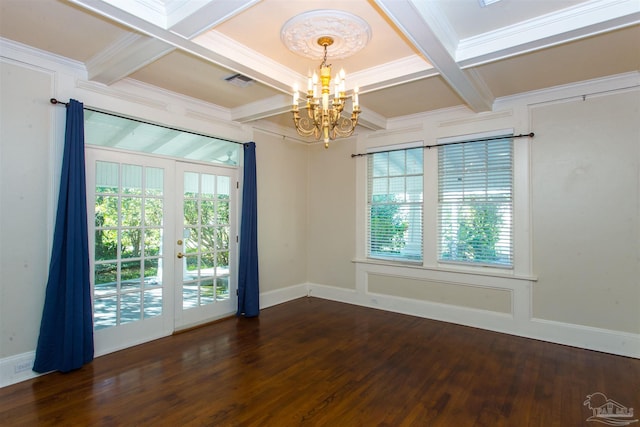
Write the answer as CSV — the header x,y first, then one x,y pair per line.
x,y
56,102
493,138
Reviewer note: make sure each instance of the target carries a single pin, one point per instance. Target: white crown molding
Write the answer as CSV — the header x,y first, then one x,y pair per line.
x,y
271,73
582,20
122,94
403,70
274,129
553,94
573,90
371,120
261,109
24,53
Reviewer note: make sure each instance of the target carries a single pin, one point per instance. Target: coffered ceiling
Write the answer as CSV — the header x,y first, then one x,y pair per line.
x,y
421,55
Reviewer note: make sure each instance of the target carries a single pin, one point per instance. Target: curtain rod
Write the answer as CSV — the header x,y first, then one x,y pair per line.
x,y
527,135
54,101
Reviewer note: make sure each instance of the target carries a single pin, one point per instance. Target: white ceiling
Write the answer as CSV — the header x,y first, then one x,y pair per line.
x,y
423,55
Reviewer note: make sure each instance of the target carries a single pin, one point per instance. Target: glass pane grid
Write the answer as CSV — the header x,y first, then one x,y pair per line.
x,y
128,254
206,211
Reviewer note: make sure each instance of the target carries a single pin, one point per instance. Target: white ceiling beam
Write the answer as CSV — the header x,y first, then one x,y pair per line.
x,y
423,24
125,57
262,109
580,21
370,119
191,18
135,51
236,65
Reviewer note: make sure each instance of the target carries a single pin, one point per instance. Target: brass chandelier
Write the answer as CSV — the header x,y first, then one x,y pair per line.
x,y
323,118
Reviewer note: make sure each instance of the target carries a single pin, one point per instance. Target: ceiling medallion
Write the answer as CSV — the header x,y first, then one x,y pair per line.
x,y
349,33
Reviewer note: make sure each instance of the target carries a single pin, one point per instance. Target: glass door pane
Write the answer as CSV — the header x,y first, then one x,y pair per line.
x,y
128,195
207,228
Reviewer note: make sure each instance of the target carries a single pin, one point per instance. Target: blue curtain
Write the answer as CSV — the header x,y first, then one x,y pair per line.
x,y
248,289
66,330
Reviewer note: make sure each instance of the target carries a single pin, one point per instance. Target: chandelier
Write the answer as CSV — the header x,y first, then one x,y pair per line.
x,y
324,113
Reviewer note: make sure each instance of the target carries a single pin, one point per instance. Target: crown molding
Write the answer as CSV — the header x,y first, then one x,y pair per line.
x,y
22,52
574,90
254,64
582,20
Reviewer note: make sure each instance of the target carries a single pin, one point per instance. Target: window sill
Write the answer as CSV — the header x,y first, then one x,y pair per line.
x,y
475,271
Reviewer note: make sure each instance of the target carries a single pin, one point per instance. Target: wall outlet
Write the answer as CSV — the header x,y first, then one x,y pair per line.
x,y
22,365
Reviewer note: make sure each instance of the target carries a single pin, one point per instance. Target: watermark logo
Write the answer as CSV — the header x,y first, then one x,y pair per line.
x,y
608,411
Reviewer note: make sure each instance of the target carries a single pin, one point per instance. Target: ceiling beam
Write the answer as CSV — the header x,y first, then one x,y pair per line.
x,y
164,31
125,57
200,18
423,25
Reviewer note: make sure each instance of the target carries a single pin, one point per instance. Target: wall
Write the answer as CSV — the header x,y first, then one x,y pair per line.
x,y
25,226
281,174
576,278
586,202
331,214
31,141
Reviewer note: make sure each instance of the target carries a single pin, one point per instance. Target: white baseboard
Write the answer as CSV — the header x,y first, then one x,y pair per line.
x,y
17,368
590,338
278,296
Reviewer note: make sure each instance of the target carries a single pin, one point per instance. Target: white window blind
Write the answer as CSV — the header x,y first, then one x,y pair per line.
x,y
475,202
395,196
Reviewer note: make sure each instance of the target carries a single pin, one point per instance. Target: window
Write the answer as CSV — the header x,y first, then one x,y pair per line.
x,y
475,202
395,196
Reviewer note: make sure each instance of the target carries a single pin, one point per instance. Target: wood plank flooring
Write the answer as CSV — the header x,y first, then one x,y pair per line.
x,y
312,362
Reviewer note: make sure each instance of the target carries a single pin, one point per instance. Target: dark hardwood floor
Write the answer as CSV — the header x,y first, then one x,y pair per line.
x,y
313,362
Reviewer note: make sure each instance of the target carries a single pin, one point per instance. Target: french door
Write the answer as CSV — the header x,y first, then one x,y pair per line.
x,y
205,243
162,244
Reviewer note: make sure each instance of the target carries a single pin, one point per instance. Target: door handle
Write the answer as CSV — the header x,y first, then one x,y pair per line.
x,y
180,255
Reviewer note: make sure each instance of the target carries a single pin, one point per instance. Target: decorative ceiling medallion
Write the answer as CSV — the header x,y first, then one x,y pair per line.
x,y
349,32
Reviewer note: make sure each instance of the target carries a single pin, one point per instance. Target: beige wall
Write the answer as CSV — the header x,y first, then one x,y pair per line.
x,y
331,214
281,172
463,295
586,211
24,197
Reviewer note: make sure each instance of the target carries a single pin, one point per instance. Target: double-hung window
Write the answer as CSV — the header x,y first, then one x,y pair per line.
x,y
475,202
394,204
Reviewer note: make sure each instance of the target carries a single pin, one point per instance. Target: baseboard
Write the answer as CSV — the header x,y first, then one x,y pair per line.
x,y
278,296
590,338
17,368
